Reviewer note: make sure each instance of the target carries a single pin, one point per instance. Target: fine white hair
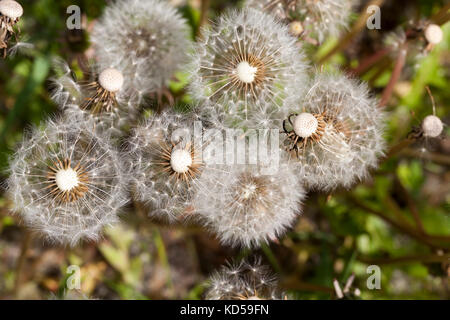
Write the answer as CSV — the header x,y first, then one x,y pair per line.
x,y
39,202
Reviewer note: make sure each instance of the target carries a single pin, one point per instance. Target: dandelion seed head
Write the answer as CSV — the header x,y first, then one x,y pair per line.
x,y
243,59
67,182
244,206
243,281
102,98
336,134
434,34
147,41
11,9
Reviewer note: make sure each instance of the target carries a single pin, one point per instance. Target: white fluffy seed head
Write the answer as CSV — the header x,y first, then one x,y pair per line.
x,y
351,133
305,124
67,179
180,160
111,79
434,34
11,9
244,206
432,126
67,182
245,72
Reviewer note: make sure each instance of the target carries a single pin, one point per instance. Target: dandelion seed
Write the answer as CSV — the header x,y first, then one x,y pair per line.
x,y
10,14
245,58
147,41
336,134
66,182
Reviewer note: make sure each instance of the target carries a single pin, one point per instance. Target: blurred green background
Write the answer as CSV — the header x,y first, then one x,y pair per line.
x,y
399,220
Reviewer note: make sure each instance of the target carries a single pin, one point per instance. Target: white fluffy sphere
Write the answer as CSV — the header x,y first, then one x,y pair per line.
x,y
11,9
432,126
244,206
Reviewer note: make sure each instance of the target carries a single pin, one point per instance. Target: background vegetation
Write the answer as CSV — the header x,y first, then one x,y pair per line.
x,y
399,220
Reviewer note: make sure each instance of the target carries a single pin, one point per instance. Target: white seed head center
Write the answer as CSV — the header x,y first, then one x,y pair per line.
x,y
248,191
67,179
245,72
432,126
111,80
180,160
305,124
11,9
434,34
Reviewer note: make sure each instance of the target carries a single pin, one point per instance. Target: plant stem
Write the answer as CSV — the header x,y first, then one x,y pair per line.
x,y
26,241
412,207
162,254
399,64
